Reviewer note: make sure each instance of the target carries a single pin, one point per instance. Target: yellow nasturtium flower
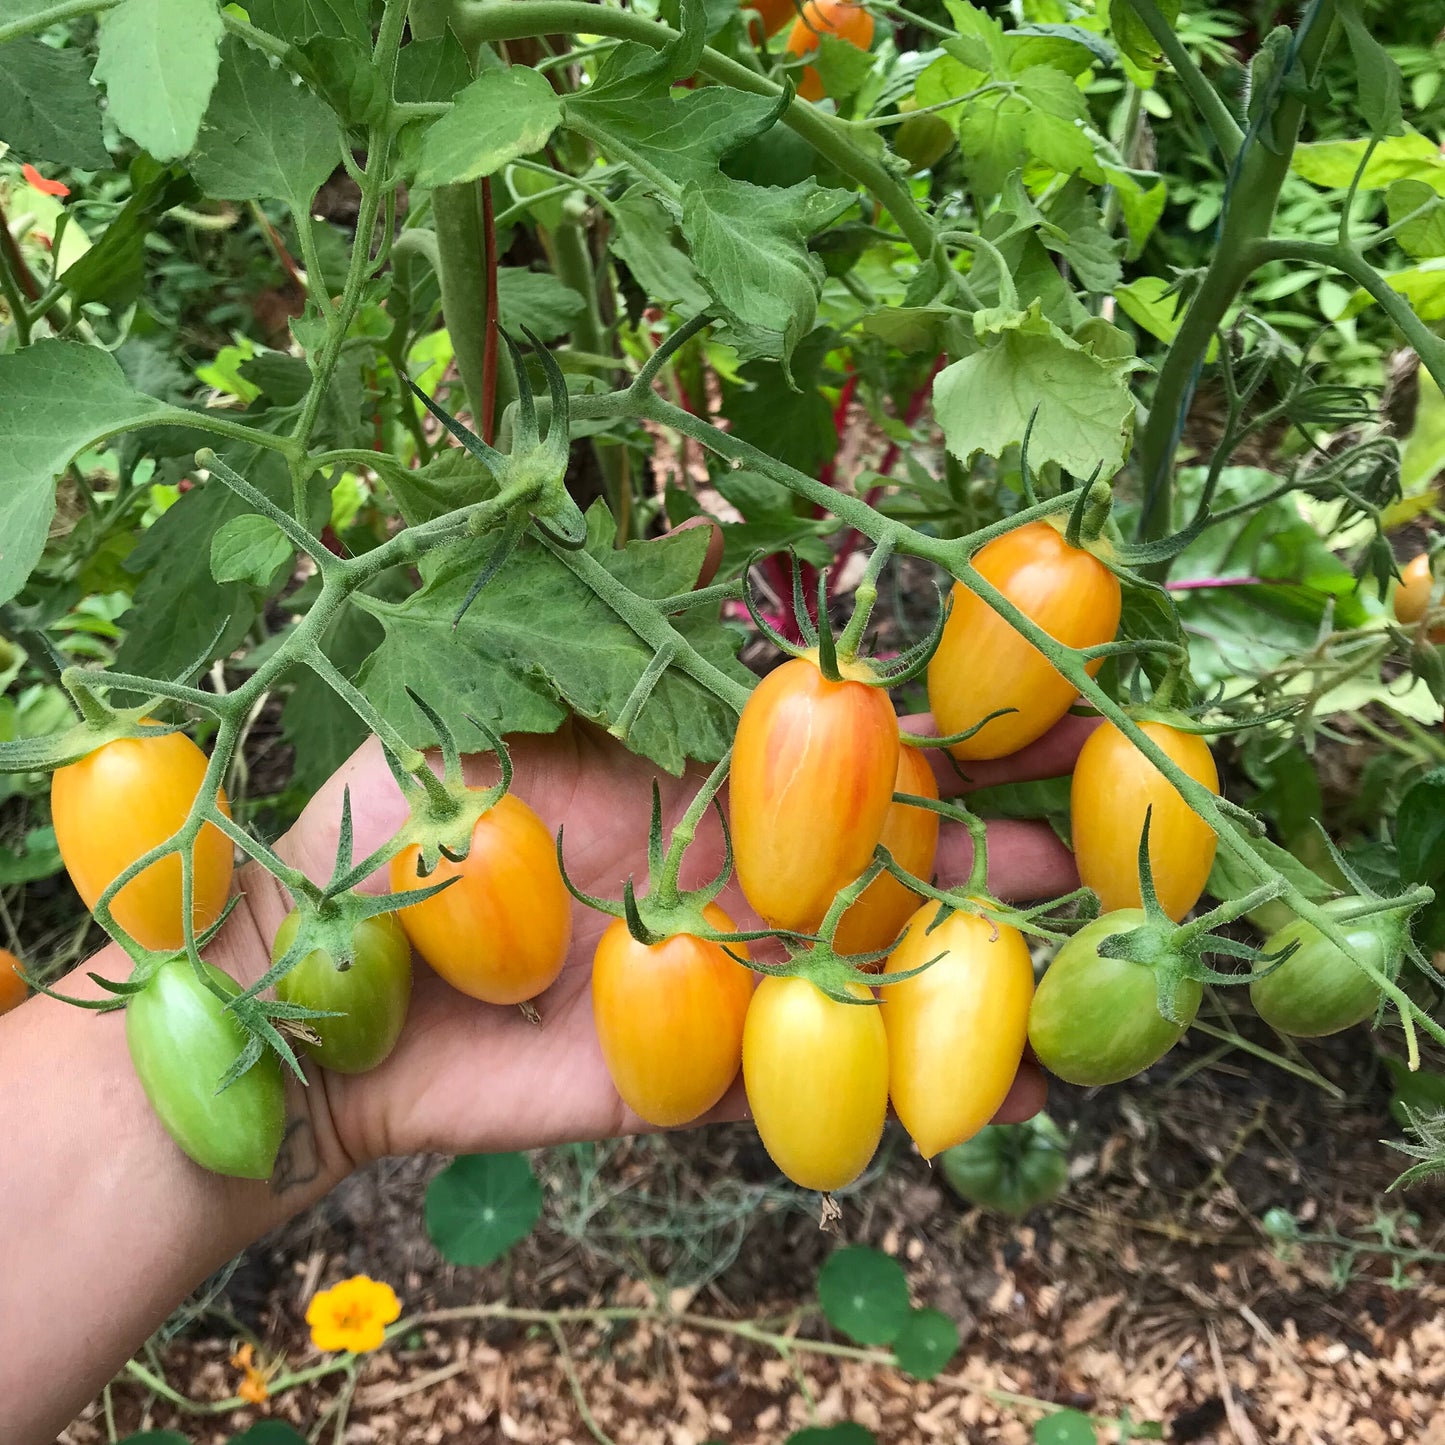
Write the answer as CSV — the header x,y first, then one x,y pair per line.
x,y
352,1315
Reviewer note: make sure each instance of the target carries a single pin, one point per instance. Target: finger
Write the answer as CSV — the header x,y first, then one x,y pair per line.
x,y
1026,860
1052,756
1027,1096
713,558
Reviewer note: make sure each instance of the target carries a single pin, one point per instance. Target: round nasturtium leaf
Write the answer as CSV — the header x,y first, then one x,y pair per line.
x,y
865,1294
847,1432
1068,1427
926,1343
480,1205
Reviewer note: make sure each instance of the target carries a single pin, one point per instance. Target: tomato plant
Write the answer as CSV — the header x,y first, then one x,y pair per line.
x,y
1320,988
814,765
115,805
910,834
984,666
957,1030
1095,1019
816,1072
501,933
670,1019
370,995
1115,788
183,1041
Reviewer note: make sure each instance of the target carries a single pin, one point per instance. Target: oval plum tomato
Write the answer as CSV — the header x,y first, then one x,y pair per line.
x,y
501,933
827,17
956,1031
1096,1020
670,1019
370,997
816,1072
774,14
1318,989
813,768
1010,1168
1415,593
1114,787
983,665
182,1042
12,987
118,803
910,834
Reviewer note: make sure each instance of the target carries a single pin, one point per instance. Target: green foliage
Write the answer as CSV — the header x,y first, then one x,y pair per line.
x,y
1067,1427
480,1205
864,1294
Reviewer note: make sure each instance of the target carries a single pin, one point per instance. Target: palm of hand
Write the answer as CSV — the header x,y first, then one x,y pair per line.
x,y
472,1077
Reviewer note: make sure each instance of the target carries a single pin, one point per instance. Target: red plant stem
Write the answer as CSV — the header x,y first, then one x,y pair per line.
x,y
15,262
1194,584
489,345
914,410
288,262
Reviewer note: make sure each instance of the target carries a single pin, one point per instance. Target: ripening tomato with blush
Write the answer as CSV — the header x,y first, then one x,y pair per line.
x,y
983,665
814,763
1415,593
500,933
13,992
827,17
115,805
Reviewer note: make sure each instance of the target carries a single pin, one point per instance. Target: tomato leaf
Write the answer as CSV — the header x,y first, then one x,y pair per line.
x,y
264,137
249,548
480,1205
502,115
926,1343
158,61
864,1293
1420,830
1068,1427
60,396
300,20
49,111
1377,76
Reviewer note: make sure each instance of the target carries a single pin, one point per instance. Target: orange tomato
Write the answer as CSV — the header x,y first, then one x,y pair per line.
x,y
983,665
956,1032
1114,786
1414,594
774,14
827,17
910,834
500,934
670,1019
812,778
12,987
114,806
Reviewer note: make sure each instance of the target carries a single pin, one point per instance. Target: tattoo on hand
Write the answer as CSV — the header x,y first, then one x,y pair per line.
x,y
298,1161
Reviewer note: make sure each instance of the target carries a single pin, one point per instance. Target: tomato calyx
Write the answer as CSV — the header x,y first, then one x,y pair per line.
x,y
667,910
839,659
534,471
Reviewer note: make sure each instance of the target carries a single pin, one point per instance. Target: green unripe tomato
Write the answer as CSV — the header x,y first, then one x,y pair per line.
x,y
182,1041
370,998
1009,1168
1096,1020
922,140
1320,990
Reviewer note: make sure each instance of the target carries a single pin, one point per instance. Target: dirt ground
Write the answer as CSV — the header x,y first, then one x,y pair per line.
x,y
1150,1287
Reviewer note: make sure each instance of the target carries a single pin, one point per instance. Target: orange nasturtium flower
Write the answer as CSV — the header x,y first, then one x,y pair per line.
x,y
48,188
352,1315
252,1389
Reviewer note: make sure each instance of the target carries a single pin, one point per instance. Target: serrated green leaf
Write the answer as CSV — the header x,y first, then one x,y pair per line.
x,y
1377,76
1132,36
538,301
500,117
1420,829
1410,156
926,1343
264,136
647,240
432,70
49,111
864,1293
841,66
749,246
537,644
248,548
1150,303
299,20
480,1205
60,396
37,857
1085,411
1424,236
158,62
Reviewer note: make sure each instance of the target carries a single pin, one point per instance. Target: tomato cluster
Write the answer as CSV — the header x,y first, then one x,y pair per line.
x,y
893,993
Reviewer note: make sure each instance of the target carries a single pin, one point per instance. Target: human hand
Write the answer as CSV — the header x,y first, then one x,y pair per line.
x,y
472,1077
